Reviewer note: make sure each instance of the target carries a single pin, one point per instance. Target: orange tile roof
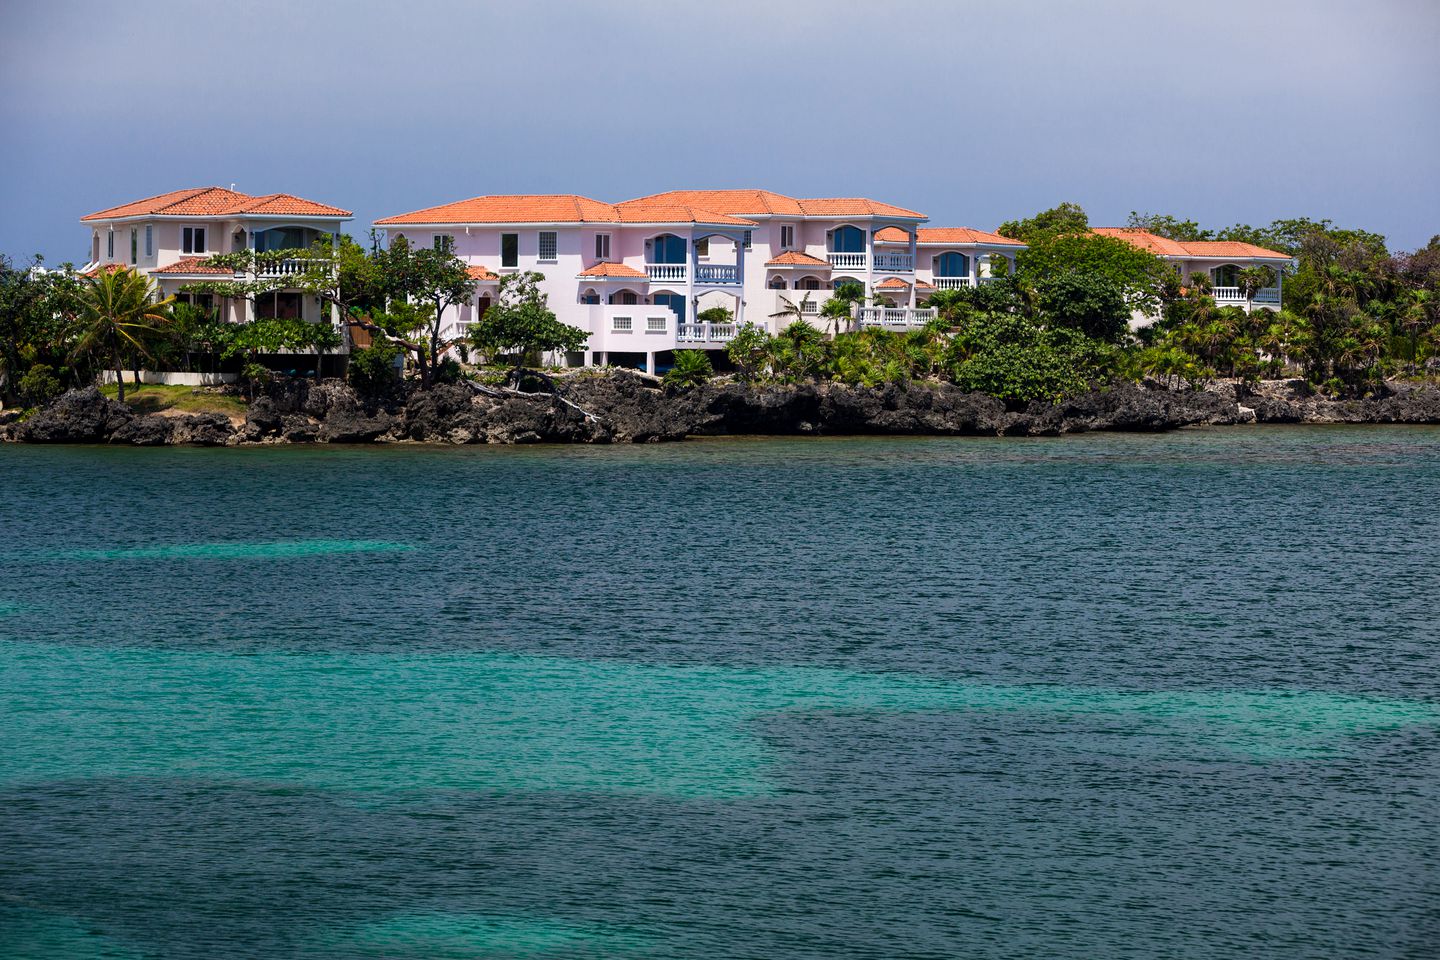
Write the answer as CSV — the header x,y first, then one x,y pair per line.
x,y
194,265
104,268
794,258
854,207
482,273
517,208
892,283
1165,247
217,202
945,235
924,284
675,213
769,203
733,202
613,270
559,208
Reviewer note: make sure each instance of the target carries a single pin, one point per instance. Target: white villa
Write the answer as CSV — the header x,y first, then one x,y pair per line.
x,y
1220,260
637,274
170,236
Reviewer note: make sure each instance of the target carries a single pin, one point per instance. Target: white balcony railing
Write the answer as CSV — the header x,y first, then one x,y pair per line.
x,y
1268,295
705,333
952,283
846,261
667,272
282,268
894,318
894,263
717,273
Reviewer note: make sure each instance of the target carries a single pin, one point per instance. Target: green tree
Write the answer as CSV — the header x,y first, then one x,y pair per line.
x,y
1063,219
520,323
749,351
1137,273
433,276
1254,279
1091,303
118,309
1167,226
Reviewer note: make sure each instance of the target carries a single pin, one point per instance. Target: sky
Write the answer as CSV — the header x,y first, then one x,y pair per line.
x,y
971,112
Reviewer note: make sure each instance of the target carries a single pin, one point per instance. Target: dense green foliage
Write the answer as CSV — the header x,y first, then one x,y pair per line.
x,y
372,370
520,324
692,368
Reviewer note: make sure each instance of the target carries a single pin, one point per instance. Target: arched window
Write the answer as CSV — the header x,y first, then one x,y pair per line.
x,y
952,265
675,301
1226,275
839,282
847,239
625,297
590,297
808,283
280,238
667,248
777,282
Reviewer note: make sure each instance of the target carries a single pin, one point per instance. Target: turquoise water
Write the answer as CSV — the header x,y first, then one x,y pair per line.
x,y
1100,696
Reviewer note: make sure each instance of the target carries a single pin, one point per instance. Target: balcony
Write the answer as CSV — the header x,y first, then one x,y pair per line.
x,y
894,263
717,273
894,318
1268,297
846,261
282,268
705,333
665,272
952,283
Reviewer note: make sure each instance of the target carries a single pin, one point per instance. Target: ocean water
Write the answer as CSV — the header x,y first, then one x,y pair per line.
x,y
1100,696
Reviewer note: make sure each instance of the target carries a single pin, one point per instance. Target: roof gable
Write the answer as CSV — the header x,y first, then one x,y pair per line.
x,y
1180,249
216,202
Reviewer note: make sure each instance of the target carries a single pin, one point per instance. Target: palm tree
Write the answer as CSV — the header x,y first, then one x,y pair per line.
x,y
837,311
1252,280
116,309
795,311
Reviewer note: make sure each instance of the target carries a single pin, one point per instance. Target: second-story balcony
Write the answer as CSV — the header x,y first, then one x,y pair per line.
x,y
705,332
884,262
894,318
953,283
705,273
282,268
1268,297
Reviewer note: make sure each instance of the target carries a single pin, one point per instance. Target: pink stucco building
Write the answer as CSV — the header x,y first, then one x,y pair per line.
x,y
638,274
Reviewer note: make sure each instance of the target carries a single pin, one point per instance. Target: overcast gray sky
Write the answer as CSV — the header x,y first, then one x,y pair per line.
x,y
973,112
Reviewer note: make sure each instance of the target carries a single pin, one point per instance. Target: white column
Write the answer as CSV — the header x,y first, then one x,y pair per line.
x,y
589,360
740,257
650,362
690,280
914,230
975,268
870,260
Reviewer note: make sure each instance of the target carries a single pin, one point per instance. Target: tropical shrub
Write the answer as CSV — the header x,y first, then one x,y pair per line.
x,y
39,385
692,368
372,369
749,351
1016,359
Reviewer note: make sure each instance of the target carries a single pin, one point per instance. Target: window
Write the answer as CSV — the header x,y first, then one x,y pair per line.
x,y
1226,276
547,246
590,297
509,249
655,324
110,244
749,238
149,240
777,282
808,283
787,237
952,265
444,242
624,297
602,246
702,248
280,304
667,248
192,240
675,301
847,239
621,324
276,238
134,245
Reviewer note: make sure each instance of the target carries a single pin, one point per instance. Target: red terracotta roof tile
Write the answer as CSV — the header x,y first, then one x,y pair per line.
x,y
560,208
892,283
945,235
217,202
194,265
104,268
1165,247
675,213
794,258
732,202
482,273
613,270
855,207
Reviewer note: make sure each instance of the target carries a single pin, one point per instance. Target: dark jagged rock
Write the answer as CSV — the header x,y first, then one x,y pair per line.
x,y
78,416
149,431
203,430
354,426
295,428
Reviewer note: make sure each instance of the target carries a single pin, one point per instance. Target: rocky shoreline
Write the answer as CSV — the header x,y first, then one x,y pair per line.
x,y
622,407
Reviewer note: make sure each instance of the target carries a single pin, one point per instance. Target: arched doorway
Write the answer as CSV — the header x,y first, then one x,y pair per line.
x,y
847,239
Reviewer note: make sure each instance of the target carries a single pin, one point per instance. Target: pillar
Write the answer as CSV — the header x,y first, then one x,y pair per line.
x,y
650,362
974,268
913,231
870,260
